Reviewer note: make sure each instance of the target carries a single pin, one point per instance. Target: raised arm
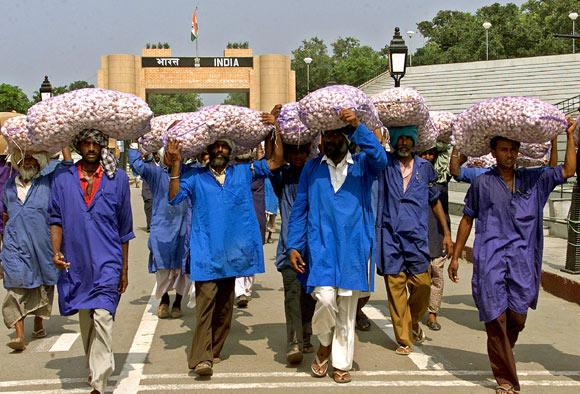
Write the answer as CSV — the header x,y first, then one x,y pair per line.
x,y
456,161
570,159
66,154
173,157
135,160
274,148
376,157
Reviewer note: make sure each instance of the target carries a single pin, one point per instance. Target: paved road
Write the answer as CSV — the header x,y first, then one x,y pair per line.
x,y
150,354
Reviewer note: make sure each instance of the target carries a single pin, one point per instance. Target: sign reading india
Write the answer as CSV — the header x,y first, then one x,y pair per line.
x,y
197,62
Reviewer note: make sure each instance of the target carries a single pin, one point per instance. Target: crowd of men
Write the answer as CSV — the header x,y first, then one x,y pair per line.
x,y
354,209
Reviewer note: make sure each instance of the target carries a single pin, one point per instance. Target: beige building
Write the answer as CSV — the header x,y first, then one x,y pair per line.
x,y
267,79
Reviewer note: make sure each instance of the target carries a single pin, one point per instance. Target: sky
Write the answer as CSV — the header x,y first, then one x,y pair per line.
x,y
65,39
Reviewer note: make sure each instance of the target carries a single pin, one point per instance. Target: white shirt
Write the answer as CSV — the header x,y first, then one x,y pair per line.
x,y
22,188
338,172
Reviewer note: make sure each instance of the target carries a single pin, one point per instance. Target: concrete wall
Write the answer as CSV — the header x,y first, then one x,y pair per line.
x,y
454,87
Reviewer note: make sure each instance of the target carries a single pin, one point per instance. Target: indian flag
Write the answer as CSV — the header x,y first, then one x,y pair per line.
x,y
194,25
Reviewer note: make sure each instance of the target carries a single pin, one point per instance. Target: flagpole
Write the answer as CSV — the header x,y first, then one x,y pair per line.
x,y
196,38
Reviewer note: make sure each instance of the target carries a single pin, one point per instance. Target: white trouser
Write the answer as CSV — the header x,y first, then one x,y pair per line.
x,y
97,334
244,285
171,279
334,323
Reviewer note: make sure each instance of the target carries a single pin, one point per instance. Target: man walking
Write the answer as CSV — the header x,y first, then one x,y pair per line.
x,y
225,238
406,193
168,238
332,226
91,225
508,204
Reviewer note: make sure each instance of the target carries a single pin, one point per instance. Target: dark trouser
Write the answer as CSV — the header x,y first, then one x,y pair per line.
x,y
502,334
298,307
213,312
147,201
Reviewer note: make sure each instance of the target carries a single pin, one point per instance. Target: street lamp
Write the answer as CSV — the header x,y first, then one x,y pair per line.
x,y
410,34
573,16
486,26
397,57
308,60
45,89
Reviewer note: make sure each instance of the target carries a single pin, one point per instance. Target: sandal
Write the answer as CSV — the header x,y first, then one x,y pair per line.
x,y
39,333
362,322
19,344
404,350
419,336
433,325
340,376
319,369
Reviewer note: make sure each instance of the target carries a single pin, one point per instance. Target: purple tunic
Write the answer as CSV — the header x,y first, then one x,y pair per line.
x,y
92,239
509,239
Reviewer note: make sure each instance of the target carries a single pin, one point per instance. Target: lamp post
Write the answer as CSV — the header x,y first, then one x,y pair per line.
x,y
573,16
308,60
410,34
397,57
45,89
486,26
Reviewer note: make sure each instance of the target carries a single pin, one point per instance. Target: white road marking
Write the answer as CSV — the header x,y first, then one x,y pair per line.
x,y
355,374
317,383
132,371
456,373
64,342
421,360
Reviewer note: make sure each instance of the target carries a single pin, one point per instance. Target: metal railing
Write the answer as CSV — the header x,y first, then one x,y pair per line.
x,y
570,105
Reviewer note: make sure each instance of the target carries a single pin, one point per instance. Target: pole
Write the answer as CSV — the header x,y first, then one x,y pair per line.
x,y
573,33
486,44
411,51
307,78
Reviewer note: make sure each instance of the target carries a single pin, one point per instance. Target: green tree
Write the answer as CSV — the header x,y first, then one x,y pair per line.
x,y
320,68
163,104
360,64
528,30
238,98
12,98
79,85
342,47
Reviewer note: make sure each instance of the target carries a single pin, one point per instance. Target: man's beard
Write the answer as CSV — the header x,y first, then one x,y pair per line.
x,y
404,152
219,161
335,150
28,173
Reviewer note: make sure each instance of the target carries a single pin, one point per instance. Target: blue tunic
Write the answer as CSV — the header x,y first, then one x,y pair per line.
x,y
6,171
225,235
271,198
338,227
170,224
403,218
285,185
27,250
92,239
509,239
